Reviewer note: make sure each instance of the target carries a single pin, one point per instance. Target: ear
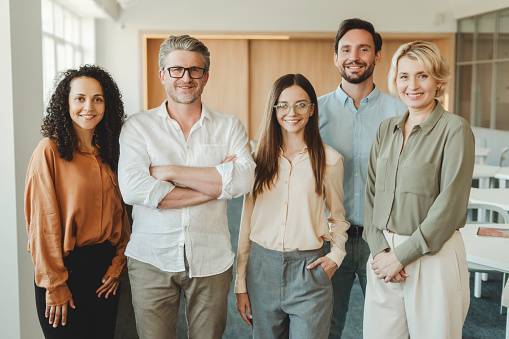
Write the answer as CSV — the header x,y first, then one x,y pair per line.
x,y
378,57
336,59
161,75
206,78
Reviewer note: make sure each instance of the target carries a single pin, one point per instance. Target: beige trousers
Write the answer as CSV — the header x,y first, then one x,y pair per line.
x,y
432,303
156,298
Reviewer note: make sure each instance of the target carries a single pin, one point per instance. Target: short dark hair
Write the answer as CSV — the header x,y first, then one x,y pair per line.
x,y
357,23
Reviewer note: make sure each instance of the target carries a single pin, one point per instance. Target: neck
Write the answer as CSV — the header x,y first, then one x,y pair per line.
x,y
416,116
86,137
187,114
358,91
293,142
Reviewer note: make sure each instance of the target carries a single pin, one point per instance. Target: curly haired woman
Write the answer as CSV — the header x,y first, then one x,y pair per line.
x,y
76,221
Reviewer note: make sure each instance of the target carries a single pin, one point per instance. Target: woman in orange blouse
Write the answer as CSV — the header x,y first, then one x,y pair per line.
x,y
76,221
283,275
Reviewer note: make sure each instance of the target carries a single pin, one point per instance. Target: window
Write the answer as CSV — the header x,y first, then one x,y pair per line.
x,y
482,65
63,36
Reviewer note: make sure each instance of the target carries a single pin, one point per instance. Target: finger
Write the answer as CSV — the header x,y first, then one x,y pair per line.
x,y
46,313
71,303
57,315
51,314
64,314
314,263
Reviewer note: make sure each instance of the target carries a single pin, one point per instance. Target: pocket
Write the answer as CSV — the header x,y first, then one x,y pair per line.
x,y
213,154
417,177
381,173
451,269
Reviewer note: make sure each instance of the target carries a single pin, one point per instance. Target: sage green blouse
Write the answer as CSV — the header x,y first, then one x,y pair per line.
x,y
420,190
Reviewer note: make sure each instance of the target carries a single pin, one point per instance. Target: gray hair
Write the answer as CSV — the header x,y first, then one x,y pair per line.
x,y
183,43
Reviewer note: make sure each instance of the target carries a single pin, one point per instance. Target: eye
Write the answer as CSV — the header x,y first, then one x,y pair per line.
x,y
300,105
403,77
282,105
364,49
177,69
98,99
345,50
79,99
423,76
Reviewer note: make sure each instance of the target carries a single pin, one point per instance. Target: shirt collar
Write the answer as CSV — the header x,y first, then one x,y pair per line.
x,y
428,124
371,98
205,111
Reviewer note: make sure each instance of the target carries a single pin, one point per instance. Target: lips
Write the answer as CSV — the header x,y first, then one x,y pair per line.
x,y
414,95
292,121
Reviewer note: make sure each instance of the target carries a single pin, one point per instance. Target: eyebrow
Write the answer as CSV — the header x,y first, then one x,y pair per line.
x,y
360,45
95,95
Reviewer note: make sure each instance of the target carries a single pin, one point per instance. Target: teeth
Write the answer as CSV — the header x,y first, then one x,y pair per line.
x,y
414,95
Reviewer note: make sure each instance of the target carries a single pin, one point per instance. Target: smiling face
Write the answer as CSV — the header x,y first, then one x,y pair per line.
x,y
356,57
416,87
86,104
183,90
292,122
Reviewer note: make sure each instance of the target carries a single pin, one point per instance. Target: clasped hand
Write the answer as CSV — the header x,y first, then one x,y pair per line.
x,y
388,268
58,313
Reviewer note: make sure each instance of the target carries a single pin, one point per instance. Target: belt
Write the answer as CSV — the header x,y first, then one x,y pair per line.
x,y
355,231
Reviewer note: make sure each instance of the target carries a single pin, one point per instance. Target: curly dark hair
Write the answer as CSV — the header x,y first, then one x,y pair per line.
x,y
57,124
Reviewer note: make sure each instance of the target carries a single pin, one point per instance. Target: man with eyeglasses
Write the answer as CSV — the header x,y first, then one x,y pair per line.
x,y
349,118
178,164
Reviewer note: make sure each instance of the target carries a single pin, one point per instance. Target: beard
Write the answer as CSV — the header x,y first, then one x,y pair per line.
x,y
357,78
182,98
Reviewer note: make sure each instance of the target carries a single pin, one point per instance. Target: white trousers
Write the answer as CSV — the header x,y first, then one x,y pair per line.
x,y
432,303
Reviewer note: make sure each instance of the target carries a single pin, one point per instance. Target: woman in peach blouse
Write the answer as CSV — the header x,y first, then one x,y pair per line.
x,y
283,275
76,221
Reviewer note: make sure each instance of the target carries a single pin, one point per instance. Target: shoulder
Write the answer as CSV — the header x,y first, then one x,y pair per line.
x,y
44,155
142,116
454,122
390,102
46,148
222,117
332,156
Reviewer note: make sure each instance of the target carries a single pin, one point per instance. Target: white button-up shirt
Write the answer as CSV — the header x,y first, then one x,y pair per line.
x,y
152,138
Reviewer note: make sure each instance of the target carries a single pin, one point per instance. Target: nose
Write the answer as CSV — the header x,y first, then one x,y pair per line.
x,y
89,105
292,112
413,84
186,76
354,55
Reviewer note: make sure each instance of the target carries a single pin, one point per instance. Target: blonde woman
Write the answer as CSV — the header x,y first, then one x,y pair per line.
x,y
417,190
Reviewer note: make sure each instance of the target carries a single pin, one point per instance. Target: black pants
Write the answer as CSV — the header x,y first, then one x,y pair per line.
x,y
93,317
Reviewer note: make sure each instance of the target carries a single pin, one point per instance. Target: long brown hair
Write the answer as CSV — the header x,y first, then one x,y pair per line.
x,y
270,139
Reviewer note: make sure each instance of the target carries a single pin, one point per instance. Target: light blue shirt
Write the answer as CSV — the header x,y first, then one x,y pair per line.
x,y
351,132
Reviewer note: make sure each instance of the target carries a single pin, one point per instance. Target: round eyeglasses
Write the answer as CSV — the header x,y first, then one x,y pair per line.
x,y
178,72
300,108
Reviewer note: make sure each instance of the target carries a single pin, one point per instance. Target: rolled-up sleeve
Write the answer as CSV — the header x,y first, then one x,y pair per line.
x,y
237,177
138,187
334,195
244,245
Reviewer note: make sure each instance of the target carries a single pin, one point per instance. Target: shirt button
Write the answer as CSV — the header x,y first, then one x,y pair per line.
x,y
356,154
357,194
356,214
356,174
356,135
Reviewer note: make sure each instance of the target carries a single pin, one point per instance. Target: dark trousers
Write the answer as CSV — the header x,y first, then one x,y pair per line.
x,y
93,317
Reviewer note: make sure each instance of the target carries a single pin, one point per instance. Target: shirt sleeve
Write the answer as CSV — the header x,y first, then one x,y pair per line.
x,y
244,245
237,177
44,228
138,187
373,236
118,266
448,212
334,195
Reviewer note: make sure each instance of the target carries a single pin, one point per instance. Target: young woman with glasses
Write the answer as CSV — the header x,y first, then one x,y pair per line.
x,y
283,275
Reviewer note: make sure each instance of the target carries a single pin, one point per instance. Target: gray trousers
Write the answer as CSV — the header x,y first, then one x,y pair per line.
x,y
156,298
287,299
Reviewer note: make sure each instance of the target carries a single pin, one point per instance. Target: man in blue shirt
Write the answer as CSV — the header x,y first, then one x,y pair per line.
x,y
349,118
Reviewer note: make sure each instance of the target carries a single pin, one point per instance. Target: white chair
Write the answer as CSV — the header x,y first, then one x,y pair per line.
x,y
486,213
503,156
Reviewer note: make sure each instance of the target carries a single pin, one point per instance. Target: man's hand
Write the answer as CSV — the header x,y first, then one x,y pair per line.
x,y
58,313
244,308
386,266
328,265
110,285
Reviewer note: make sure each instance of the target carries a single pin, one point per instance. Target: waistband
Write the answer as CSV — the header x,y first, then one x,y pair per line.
x,y
287,256
355,231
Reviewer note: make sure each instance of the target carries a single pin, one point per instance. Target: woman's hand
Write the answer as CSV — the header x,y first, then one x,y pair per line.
x,y
328,265
386,266
244,308
110,285
58,313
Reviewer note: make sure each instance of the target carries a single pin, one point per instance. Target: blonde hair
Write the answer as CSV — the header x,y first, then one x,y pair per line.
x,y
429,57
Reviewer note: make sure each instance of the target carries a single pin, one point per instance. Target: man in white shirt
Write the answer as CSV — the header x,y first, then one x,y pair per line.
x,y
178,165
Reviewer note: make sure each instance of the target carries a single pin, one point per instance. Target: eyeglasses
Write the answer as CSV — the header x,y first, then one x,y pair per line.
x,y
300,108
178,72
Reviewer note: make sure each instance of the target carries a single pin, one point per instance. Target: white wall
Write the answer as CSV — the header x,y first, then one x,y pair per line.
x,y
118,43
21,113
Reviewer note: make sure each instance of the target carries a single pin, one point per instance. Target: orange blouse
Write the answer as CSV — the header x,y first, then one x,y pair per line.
x,y
69,204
